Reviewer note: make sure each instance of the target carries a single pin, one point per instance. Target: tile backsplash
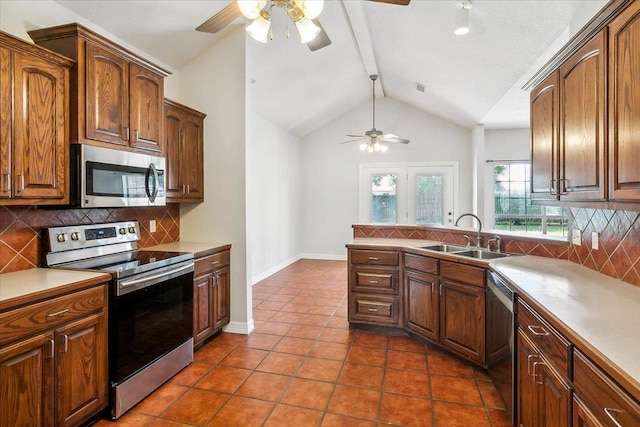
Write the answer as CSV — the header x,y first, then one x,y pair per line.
x,y
618,254
21,237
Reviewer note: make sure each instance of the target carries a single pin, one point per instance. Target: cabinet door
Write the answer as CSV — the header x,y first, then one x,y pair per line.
x,y
81,352
26,389
107,96
582,415
39,133
462,319
624,108
173,134
5,123
527,406
191,169
544,139
222,281
554,397
146,119
424,310
582,123
202,307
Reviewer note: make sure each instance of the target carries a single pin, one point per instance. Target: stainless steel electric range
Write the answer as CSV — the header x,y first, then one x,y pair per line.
x,y
150,304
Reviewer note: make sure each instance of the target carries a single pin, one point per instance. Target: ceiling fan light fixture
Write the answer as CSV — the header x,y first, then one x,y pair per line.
x,y
307,30
310,8
251,8
462,18
259,28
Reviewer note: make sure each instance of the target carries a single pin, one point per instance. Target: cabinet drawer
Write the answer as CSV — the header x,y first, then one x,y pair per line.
x,y
51,313
381,280
606,400
209,263
421,263
374,257
462,273
554,346
374,309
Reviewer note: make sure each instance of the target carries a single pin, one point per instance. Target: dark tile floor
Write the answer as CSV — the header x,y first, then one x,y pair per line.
x,y
303,366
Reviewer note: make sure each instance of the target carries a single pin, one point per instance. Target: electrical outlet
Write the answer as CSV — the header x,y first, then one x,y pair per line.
x,y
576,237
595,240
152,226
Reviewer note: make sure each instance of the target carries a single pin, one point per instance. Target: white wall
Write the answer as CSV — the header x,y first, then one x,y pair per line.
x,y
273,197
330,169
218,88
509,144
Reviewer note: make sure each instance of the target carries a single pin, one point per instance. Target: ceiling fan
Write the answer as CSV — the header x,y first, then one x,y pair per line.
x,y
303,13
374,136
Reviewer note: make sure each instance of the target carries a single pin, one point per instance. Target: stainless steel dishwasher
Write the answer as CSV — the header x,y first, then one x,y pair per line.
x,y
501,340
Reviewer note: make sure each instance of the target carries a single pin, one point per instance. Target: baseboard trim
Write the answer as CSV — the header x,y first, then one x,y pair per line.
x,y
243,328
273,270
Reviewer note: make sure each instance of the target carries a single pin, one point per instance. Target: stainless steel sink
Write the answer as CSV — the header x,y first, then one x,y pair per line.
x,y
482,254
445,248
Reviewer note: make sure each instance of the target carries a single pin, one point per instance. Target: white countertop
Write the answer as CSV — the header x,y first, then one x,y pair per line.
x,y
35,280
194,247
602,311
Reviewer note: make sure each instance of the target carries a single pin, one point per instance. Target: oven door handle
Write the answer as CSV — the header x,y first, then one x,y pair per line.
x,y
126,284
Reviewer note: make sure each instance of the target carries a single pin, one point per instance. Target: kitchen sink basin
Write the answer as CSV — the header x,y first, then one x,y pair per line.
x,y
482,254
445,248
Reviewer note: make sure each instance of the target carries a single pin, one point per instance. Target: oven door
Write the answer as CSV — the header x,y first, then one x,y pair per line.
x,y
114,178
149,317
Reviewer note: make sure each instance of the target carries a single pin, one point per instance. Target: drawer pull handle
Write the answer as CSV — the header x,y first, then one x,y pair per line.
x,y
535,330
373,282
65,343
531,356
215,262
373,258
536,375
373,310
609,411
58,313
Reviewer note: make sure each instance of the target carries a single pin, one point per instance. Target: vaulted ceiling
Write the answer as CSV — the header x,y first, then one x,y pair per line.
x,y
468,80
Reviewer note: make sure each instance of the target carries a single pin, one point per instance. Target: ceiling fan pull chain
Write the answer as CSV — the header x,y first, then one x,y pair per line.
x,y
374,78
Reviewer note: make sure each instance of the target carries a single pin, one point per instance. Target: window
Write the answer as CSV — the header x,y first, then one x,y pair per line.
x,y
513,208
408,193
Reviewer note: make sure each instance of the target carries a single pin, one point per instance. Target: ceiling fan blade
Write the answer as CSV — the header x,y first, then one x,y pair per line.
x,y
321,40
398,2
389,137
353,140
221,19
357,136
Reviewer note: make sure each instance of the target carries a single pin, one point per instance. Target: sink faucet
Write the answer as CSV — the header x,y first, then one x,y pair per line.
x,y
496,240
479,238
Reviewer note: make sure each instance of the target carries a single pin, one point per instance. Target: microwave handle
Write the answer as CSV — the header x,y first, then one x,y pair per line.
x,y
152,169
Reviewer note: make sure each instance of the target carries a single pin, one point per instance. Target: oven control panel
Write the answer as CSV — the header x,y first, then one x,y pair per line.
x,y
71,237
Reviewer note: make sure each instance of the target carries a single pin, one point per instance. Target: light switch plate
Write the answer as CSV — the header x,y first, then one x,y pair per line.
x,y
576,237
152,226
595,240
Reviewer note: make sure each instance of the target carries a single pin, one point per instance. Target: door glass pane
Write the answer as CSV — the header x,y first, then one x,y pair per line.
x,y
429,197
383,198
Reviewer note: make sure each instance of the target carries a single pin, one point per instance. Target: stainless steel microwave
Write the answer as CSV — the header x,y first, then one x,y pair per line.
x,y
108,178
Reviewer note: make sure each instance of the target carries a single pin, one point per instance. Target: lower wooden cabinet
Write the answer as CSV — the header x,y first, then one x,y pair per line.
x,y
57,377
462,319
211,291
544,396
423,313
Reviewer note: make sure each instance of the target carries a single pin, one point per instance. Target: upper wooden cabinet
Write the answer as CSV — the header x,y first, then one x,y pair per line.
x,y
624,108
116,95
34,99
568,127
585,115
582,124
184,139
